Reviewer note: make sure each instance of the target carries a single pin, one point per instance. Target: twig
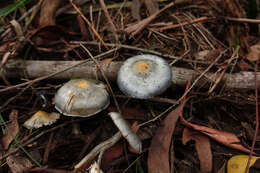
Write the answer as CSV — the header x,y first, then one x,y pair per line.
x,y
242,20
99,148
88,22
202,74
234,56
59,70
14,97
47,149
103,5
14,150
135,29
154,99
127,47
53,74
104,76
256,119
140,49
198,20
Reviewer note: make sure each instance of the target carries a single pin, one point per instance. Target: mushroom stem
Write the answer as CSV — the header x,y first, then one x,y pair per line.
x,y
180,76
127,132
99,148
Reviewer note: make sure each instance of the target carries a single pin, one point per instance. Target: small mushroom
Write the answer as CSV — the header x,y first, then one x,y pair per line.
x,y
41,118
81,98
144,76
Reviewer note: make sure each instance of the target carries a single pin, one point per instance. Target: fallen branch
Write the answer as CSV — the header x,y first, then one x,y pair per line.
x,y
35,69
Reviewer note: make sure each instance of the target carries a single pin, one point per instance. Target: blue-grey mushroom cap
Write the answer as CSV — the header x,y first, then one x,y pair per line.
x,y
81,98
144,76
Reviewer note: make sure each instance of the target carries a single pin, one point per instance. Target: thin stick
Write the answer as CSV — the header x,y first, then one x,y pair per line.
x,y
242,20
104,76
126,47
103,5
55,73
139,49
88,22
14,150
135,29
198,20
256,119
180,76
99,148
202,74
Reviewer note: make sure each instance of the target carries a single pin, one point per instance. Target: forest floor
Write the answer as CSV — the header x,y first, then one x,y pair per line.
x,y
206,121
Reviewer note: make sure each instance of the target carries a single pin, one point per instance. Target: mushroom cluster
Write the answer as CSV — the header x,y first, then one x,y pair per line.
x,y
142,77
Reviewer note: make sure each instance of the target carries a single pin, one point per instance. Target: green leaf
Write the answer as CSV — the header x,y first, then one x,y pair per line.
x,y
10,8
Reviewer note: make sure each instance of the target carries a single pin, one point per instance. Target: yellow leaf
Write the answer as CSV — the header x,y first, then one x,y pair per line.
x,y
237,164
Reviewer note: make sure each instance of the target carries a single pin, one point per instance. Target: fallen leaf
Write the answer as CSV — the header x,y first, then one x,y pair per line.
x,y
18,164
158,156
237,164
83,27
47,14
112,153
203,149
254,53
225,138
12,129
135,9
152,6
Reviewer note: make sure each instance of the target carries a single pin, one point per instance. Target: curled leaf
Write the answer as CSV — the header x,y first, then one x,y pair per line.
x,y
158,156
202,145
12,129
254,53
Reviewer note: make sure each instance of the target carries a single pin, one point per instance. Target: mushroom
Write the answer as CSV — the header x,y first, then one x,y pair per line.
x,y
81,98
144,76
41,118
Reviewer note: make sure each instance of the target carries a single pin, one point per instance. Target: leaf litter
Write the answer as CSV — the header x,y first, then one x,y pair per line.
x,y
217,122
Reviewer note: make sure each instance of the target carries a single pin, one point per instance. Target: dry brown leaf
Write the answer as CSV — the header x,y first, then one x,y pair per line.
x,y
203,149
112,153
225,138
12,130
254,53
152,6
83,27
135,9
47,14
18,164
158,156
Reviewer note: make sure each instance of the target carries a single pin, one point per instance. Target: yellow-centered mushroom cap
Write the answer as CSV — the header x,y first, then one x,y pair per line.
x,y
144,76
81,97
